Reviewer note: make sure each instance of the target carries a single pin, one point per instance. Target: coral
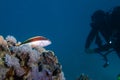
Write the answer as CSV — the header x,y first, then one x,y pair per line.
x,y
25,62
83,77
11,39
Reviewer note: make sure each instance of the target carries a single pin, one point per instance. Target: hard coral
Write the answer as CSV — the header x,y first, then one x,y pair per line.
x,y
25,62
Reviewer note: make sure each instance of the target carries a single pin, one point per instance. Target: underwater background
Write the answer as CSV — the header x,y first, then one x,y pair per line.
x,y
66,24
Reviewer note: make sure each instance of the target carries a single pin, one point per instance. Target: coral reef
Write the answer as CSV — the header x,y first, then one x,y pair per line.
x,y
21,61
83,77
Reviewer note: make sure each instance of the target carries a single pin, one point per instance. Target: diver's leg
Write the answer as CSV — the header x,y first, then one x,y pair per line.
x,y
105,59
98,40
103,48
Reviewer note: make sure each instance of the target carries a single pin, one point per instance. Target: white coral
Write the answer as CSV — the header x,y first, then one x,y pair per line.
x,y
26,49
8,60
62,76
11,39
11,61
34,56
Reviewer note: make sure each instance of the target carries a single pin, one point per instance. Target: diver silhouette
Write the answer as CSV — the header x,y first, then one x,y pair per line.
x,y
107,25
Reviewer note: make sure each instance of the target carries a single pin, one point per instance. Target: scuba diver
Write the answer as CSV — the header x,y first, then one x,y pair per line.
x,y
104,26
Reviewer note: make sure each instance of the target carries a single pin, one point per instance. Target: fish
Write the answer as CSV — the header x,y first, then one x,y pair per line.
x,y
37,41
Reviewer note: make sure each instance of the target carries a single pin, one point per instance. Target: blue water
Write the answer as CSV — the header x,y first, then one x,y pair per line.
x,y
66,24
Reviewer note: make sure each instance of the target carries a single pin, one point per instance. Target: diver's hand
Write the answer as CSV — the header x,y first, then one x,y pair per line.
x,y
89,51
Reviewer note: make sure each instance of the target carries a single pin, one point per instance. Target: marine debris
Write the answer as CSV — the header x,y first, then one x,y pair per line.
x,y
28,60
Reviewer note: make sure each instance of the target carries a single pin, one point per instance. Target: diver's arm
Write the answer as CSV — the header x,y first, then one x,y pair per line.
x,y
90,38
98,40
